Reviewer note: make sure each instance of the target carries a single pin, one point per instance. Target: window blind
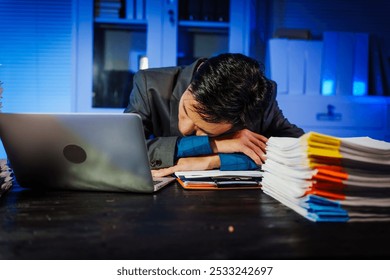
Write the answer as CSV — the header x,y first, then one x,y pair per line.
x,y
36,55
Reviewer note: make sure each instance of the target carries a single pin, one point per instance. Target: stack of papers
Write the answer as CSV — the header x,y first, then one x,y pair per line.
x,y
216,179
6,177
325,178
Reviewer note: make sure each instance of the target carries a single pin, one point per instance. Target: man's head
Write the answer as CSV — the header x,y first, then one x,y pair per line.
x,y
228,92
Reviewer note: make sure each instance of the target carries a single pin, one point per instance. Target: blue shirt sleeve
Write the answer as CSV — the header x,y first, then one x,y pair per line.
x,y
193,146
190,146
236,161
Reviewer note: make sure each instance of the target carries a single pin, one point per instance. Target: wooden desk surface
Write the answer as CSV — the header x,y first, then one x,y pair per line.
x,y
175,224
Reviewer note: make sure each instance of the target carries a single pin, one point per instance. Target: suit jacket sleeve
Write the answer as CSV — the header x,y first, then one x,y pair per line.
x,y
150,106
274,122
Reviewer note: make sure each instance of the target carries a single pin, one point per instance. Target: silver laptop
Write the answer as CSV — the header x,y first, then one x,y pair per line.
x,y
103,152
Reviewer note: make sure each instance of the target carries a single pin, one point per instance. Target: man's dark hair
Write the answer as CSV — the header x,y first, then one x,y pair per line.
x,y
231,88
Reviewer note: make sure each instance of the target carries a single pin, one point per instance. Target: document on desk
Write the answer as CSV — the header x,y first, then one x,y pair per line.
x,y
220,180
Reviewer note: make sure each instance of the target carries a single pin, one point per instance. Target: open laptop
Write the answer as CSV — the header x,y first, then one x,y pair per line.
x,y
103,152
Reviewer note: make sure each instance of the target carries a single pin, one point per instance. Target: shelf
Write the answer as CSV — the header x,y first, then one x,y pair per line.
x,y
123,21
203,24
162,33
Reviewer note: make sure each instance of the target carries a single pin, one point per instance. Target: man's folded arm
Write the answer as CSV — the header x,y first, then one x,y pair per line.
x,y
191,146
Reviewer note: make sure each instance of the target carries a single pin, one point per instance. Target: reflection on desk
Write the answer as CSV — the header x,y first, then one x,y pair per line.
x,y
175,224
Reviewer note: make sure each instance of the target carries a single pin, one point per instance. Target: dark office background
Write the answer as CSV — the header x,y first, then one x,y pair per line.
x,y
37,45
337,15
340,15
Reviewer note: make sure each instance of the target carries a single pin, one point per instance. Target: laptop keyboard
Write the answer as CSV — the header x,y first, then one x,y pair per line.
x,y
156,181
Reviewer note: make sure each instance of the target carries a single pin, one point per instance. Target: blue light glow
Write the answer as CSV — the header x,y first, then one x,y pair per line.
x,y
328,87
359,88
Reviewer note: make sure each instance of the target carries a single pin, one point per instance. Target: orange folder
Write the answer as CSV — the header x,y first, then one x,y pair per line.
x,y
214,186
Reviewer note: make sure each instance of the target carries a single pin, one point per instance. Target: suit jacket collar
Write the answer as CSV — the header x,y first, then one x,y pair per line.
x,y
183,80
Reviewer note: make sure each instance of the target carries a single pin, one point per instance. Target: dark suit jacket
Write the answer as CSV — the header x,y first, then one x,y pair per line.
x,y
155,97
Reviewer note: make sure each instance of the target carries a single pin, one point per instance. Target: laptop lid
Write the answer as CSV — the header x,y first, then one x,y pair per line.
x,y
105,152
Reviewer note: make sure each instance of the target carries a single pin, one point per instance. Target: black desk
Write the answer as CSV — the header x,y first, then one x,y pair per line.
x,y
175,224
